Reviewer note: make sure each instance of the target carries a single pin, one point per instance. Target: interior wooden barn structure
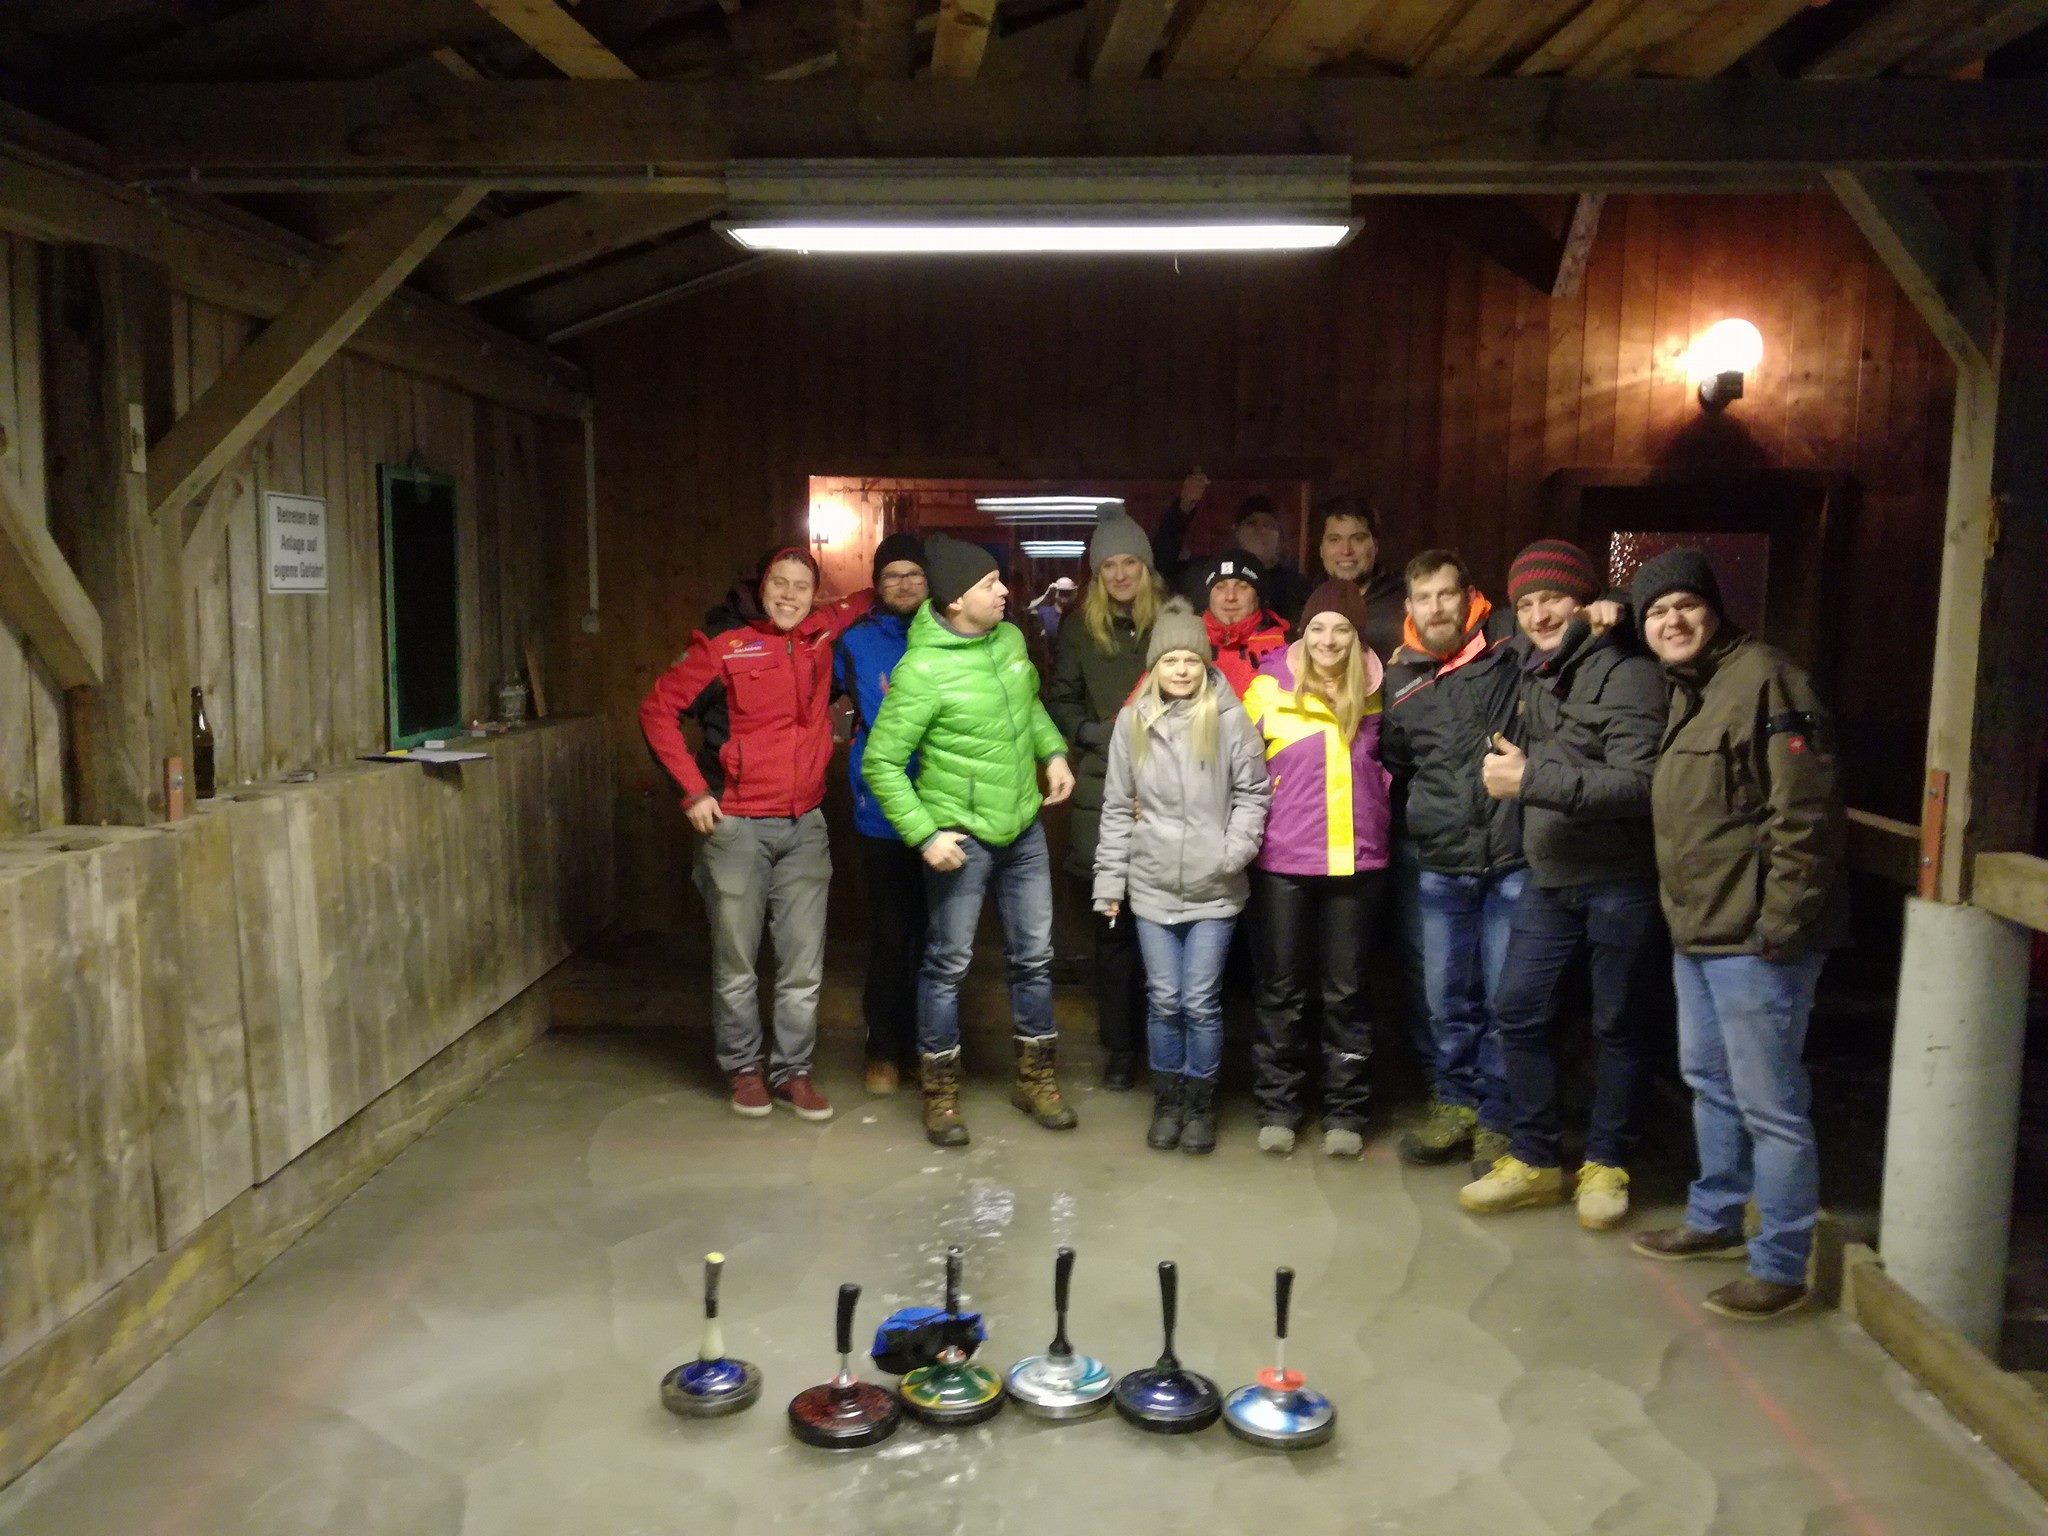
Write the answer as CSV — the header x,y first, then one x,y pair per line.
x,y
379,374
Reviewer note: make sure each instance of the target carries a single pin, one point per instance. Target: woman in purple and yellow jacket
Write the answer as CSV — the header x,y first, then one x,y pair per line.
x,y
1317,881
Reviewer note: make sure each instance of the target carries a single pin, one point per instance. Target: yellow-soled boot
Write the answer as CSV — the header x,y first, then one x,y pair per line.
x,y
1511,1186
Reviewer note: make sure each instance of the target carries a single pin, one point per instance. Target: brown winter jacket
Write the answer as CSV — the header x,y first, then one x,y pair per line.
x,y
1749,822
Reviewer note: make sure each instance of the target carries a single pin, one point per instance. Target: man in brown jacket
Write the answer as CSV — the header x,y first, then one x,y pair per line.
x,y
1749,834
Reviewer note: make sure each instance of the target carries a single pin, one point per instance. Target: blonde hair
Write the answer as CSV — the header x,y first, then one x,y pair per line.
x,y
1347,692
1098,613
1151,703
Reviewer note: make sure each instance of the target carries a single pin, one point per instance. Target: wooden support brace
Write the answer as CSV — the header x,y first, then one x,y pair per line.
x,y
41,597
1132,35
559,38
555,237
294,346
1925,256
961,38
2013,885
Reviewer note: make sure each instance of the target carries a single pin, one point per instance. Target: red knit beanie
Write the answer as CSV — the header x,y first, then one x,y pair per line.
x,y
1553,565
1340,596
781,552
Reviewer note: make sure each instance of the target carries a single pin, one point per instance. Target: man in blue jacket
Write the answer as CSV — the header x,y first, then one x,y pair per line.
x,y
894,872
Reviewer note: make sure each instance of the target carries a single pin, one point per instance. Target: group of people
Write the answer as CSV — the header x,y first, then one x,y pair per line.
x,y
1358,763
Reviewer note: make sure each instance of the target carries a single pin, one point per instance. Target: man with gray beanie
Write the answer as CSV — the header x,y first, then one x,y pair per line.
x,y
964,702
1749,834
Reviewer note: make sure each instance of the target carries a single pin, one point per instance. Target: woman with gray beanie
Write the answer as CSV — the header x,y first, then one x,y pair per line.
x,y
1098,661
1183,812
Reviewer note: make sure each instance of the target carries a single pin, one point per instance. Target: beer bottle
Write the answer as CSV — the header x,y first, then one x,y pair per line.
x,y
202,748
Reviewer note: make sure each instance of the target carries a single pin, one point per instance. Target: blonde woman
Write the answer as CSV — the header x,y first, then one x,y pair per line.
x,y
1184,806
1321,869
1099,659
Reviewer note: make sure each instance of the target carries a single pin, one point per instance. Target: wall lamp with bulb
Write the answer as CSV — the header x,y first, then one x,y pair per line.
x,y
1719,359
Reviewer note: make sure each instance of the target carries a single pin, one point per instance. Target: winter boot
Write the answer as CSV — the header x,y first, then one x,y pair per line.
x,y
1037,1091
1442,1137
1120,1071
939,1076
1167,1109
1198,1122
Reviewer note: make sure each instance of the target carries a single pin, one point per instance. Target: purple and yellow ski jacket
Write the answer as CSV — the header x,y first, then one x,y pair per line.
x,y
1330,806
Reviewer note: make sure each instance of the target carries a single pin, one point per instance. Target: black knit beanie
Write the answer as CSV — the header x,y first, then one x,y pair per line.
x,y
897,546
1676,570
1235,565
951,566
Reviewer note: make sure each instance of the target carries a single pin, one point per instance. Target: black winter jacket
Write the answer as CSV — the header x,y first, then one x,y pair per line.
x,y
1592,722
1440,715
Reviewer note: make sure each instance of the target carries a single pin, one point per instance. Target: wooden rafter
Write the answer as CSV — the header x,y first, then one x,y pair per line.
x,y
878,38
298,343
41,597
1220,37
1308,35
1132,34
1718,132
1960,47
1492,33
555,237
1577,37
1718,39
622,287
961,38
307,38
1647,24
1925,255
1901,29
559,38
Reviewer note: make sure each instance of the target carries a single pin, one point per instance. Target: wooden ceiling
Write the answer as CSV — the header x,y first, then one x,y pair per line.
x,y
546,266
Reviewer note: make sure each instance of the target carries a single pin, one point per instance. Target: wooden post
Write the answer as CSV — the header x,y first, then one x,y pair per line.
x,y
109,377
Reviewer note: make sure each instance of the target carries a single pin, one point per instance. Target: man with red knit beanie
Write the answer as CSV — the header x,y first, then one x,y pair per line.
x,y
1592,712
758,681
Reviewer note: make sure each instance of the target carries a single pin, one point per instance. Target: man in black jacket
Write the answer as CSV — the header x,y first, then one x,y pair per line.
x,y
1592,712
1450,690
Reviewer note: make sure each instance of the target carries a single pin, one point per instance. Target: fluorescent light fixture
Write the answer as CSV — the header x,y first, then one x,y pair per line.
x,y
1054,549
1147,205
1046,503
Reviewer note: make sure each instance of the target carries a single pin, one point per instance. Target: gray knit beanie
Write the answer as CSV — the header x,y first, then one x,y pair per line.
x,y
1178,628
1118,534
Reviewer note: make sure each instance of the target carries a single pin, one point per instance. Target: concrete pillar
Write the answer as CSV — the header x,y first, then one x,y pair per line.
x,y
1955,1108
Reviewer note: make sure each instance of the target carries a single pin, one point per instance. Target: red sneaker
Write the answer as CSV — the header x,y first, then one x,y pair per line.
x,y
797,1092
749,1093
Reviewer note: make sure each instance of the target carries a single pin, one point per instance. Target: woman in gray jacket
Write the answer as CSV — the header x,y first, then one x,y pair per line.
x,y
1183,810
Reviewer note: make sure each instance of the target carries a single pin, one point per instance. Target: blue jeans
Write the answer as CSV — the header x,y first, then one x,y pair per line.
x,y
1021,873
1618,923
1464,946
1741,1029
1184,993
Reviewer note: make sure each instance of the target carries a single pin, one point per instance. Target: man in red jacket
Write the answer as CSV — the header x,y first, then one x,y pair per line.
x,y
758,680
1242,631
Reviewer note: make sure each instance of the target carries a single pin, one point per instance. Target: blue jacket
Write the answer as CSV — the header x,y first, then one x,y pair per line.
x,y
867,653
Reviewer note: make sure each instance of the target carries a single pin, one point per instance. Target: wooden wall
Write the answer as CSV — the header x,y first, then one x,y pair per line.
x,y
186,1008
297,680
1405,366
31,704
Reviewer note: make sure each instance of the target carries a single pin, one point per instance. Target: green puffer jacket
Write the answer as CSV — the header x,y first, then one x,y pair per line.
x,y
969,705
1087,691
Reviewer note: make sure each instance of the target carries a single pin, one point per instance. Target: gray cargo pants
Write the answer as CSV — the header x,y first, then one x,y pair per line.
x,y
752,867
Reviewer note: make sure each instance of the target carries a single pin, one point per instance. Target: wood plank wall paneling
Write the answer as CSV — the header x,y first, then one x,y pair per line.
x,y
185,1009
296,681
1405,366
31,703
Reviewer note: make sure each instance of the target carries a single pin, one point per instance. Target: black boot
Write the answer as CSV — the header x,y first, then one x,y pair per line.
x,y
1120,1071
1198,1103
1166,1111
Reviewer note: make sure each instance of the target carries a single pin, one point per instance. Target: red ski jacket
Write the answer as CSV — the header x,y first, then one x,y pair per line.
x,y
760,697
1240,647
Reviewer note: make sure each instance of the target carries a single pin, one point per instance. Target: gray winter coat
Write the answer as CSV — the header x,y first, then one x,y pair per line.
x,y
1177,835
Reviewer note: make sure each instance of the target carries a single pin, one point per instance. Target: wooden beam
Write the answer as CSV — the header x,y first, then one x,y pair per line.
x,y
1576,37
298,343
306,39
1576,248
1960,47
1512,236
1720,38
1642,29
41,597
1884,847
1925,256
1899,30
1309,35
1135,30
961,38
502,131
218,254
618,288
559,38
2015,886
1220,37
1493,32
555,237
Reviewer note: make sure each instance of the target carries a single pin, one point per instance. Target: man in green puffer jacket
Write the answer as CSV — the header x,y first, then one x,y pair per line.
x,y
964,699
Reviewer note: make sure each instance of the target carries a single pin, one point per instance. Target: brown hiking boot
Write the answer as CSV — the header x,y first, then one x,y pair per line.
x,y
939,1076
1036,1092
1682,1242
1750,1300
